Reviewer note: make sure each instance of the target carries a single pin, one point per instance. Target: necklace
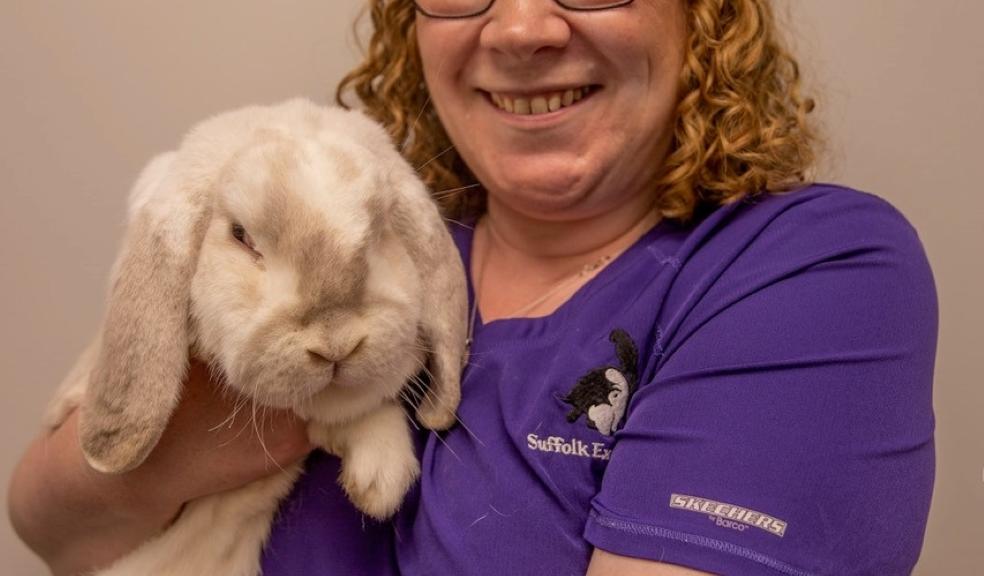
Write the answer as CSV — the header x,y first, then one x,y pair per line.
x,y
554,289
647,223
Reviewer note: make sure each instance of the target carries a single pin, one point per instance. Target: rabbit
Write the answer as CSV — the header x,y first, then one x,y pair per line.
x,y
291,247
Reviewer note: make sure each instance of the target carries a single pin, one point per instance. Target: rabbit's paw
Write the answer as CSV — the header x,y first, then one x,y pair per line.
x,y
376,477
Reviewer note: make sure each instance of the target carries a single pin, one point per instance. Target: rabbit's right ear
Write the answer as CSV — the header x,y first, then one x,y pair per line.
x,y
415,218
137,378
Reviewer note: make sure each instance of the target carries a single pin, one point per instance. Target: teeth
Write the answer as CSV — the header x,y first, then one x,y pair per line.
x,y
540,104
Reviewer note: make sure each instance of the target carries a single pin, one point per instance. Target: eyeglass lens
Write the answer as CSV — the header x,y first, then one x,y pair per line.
x,y
468,8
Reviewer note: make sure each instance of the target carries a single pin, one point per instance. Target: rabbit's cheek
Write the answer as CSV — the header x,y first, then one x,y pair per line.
x,y
385,376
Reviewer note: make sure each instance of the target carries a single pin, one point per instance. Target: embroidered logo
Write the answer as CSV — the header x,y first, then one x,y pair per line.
x,y
568,446
602,394
729,515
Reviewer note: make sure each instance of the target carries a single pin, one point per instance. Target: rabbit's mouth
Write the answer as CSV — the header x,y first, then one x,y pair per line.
x,y
338,402
281,386
327,392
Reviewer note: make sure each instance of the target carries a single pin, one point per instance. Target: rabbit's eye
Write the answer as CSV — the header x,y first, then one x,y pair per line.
x,y
243,237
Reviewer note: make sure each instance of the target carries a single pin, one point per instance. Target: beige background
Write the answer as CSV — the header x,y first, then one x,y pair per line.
x,y
90,90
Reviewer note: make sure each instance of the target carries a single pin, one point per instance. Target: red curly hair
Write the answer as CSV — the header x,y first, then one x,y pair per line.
x,y
741,122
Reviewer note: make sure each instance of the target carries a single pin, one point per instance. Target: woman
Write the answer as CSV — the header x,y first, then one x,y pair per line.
x,y
685,359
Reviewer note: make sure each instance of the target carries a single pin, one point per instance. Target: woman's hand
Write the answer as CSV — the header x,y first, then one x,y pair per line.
x,y
78,519
217,440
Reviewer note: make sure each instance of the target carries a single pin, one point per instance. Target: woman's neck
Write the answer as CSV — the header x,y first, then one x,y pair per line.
x,y
523,266
552,246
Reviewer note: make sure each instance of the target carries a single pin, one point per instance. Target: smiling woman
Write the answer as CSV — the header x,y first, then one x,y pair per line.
x,y
740,123
686,356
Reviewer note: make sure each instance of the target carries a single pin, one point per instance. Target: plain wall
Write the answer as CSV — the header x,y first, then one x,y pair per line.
x,y
90,91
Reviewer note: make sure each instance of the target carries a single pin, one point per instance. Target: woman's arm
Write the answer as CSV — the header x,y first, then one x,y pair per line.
x,y
78,519
74,517
608,564
788,428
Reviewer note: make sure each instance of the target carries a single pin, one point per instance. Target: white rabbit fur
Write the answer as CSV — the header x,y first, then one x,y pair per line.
x,y
353,277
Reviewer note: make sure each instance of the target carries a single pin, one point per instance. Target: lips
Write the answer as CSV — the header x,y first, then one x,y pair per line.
x,y
542,103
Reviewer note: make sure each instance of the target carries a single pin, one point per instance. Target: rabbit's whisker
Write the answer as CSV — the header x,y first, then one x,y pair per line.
x,y
240,403
217,375
421,388
448,446
439,154
430,398
441,194
403,395
418,389
257,426
457,222
414,395
246,424
307,403
422,348
413,127
227,423
241,430
259,437
424,369
410,418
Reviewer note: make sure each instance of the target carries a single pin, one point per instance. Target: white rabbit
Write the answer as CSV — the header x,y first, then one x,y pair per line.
x,y
293,248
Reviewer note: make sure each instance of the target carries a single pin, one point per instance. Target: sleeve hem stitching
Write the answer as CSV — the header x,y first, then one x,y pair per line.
x,y
704,541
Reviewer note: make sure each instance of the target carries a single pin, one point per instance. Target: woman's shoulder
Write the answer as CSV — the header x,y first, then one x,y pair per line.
x,y
828,214
824,254
814,223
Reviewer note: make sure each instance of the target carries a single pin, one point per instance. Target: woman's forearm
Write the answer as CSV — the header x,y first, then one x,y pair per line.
x,y
78,519
74,518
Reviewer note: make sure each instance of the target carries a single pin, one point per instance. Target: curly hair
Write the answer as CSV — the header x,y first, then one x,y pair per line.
x,y
742,125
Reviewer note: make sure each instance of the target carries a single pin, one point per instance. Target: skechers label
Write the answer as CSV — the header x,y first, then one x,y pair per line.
x,y
729,515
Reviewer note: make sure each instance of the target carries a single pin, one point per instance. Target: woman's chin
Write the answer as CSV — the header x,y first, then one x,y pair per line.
x,y
545,202
538,193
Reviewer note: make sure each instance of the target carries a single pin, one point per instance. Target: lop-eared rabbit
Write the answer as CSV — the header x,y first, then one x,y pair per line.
x,y
294,250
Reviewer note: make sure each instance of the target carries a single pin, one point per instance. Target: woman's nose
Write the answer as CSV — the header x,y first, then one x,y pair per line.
x,y
522,28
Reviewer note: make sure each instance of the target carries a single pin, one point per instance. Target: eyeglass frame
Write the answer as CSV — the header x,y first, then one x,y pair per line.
x,y
609,6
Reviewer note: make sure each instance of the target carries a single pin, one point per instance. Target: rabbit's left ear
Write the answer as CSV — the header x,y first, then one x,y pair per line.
x,y
141,365
415,219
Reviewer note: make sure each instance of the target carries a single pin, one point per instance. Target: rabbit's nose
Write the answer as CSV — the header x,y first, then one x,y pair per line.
x,y
320,356
331,355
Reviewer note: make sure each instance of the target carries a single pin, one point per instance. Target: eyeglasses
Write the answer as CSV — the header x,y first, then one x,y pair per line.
x,y
470,8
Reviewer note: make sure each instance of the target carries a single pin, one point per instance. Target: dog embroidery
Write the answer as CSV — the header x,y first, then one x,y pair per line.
x,y
602,394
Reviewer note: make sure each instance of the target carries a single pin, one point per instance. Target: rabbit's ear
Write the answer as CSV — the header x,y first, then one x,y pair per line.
x,y
415,219
136,381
